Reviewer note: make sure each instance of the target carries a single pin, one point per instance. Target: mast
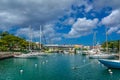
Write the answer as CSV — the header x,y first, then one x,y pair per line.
x,y
94,40
119,48
40,38
106,40
30,30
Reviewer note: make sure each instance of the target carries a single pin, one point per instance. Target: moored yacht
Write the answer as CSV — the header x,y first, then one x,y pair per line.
x,y
111,63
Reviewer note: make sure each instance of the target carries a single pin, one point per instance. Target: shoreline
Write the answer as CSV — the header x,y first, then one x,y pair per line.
x,y
7,55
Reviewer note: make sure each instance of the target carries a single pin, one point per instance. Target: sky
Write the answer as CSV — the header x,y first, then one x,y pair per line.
x,y
61,21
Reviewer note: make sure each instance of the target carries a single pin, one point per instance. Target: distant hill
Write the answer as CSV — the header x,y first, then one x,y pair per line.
x,y
9,42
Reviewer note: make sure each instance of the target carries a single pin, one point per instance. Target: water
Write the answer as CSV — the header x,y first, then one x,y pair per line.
x,y
56,67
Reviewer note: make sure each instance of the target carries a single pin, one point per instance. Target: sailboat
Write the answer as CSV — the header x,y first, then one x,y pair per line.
x,y
101,55
111,63
94,50
30,54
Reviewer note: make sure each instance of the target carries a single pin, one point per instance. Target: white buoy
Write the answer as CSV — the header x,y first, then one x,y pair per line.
x,y
43,62
46,60
35,65
21,71
84,61
109,70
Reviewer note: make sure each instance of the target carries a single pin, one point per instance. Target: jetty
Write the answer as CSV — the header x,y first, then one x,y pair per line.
x,y
6,55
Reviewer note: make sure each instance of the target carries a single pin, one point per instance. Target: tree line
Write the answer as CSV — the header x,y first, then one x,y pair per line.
x,y
9,42
112,45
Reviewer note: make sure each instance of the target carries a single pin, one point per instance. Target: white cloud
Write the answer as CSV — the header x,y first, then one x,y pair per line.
x,y
88,7
27,32
69,21
82,27
50,33
32,11
112,29
112,21
118,32
47,31
7,17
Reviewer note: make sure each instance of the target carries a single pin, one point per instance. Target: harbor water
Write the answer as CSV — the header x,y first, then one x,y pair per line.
x,y
56,67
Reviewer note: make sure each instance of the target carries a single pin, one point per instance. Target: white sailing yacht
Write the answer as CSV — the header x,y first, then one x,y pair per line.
x,y
30,54
95,49
112,63
101,55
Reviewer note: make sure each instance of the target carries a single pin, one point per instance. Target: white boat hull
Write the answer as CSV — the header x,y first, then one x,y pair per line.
x,y
102,56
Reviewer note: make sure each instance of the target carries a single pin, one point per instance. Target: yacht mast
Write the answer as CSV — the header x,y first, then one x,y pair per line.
x,y
30,41
106,40
40,38
119,48
94,40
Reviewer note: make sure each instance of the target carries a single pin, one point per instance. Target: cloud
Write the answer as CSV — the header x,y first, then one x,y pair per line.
x,y
118,32
112,21
32,11
10,18
35,12
69,21
100,4
112,29
48,32
82,27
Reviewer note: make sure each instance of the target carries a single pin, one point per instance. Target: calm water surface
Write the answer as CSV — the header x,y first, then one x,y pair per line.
x,y
55,67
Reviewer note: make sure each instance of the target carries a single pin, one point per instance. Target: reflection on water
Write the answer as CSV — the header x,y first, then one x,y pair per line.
x,y
55,67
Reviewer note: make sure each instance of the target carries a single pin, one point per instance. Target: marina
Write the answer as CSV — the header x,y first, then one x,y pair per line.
x,y
59,40
56,67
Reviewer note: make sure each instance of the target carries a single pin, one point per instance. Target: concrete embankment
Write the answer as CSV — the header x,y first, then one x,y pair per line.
x,y
6,55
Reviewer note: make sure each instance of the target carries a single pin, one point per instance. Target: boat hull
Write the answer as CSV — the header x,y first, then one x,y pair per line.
x,y
101,56
25,56
110,63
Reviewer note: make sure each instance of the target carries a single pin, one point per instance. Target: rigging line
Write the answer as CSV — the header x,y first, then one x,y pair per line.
x,y
44,37
82,66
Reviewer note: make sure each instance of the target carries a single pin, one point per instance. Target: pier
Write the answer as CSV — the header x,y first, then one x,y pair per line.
x,y
6,55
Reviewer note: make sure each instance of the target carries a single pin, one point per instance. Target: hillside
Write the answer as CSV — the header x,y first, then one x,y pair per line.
x,y
112,45
9,42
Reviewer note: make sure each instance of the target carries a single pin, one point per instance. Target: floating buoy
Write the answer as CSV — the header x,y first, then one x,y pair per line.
x,y
21,71
43,62
84,61
46,60
109,70
35,65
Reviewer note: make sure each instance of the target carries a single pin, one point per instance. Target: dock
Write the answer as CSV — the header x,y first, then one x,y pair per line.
x,y
6,55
